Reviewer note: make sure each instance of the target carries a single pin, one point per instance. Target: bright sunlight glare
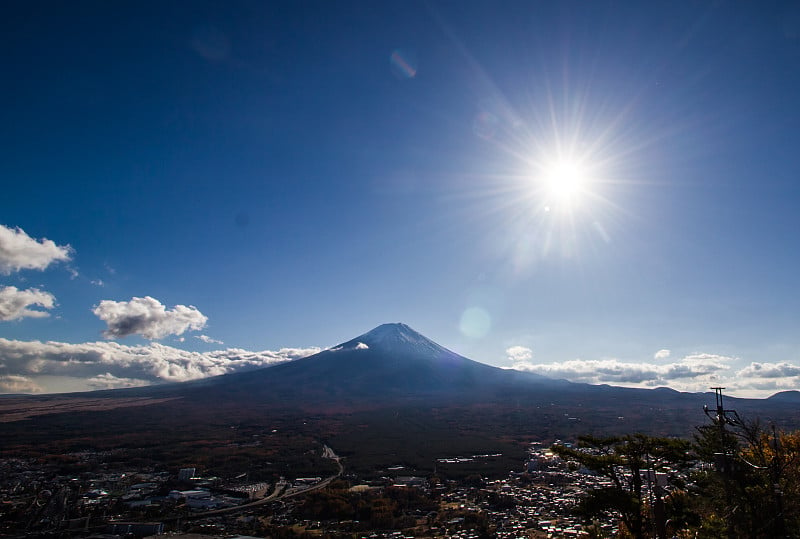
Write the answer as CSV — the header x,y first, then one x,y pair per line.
x,y
565,181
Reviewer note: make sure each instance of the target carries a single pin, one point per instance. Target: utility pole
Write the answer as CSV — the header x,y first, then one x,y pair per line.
x,y
724,460
726,463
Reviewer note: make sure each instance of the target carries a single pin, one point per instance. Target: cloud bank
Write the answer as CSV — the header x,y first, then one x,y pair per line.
x,y
16,304
19,251
110,364
147,317
109,381
12,383
771,377
770,370
692,373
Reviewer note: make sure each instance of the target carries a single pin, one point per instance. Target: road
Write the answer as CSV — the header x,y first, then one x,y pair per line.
x,y
279,492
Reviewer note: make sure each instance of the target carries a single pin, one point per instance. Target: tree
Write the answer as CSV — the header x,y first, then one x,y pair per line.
x,y
754,485
631,463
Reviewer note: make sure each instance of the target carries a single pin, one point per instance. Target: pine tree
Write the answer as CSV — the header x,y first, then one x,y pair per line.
x,y
631,463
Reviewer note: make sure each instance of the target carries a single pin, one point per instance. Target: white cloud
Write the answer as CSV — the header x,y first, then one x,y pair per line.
x,y
595,371
209,340
758,378
695,365
761,386
151,363
769,370
519,354
362,346
18,384
98,282
691,373
19,251
15,304
662,354
147,317
109,381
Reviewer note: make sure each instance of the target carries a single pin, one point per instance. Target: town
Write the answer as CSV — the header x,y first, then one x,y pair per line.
x,y
109,499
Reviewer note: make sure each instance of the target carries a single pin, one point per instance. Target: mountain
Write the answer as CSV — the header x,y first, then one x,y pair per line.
x,y
790,396
393,367
392,360
388,366
390,395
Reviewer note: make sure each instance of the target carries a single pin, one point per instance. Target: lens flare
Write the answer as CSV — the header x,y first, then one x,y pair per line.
x,y
475,322
404,64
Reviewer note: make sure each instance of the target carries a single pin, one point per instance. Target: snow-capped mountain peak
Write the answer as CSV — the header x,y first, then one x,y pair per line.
x,y
397,337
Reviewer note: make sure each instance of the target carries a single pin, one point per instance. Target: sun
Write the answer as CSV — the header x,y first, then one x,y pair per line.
x,y
565,181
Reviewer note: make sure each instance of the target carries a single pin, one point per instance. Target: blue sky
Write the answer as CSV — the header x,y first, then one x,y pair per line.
x,y
278,178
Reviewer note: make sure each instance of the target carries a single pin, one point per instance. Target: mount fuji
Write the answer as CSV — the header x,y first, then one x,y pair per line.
x,y
393,367
389,362
390,394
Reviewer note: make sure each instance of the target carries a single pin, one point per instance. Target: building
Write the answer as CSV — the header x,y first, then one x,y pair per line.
x,y
139,529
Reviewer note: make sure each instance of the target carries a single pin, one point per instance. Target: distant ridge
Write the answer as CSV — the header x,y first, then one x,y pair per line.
x,y
786,396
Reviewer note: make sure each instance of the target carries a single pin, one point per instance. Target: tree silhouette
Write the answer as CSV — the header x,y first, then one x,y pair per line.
x,y
631,463
754,484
